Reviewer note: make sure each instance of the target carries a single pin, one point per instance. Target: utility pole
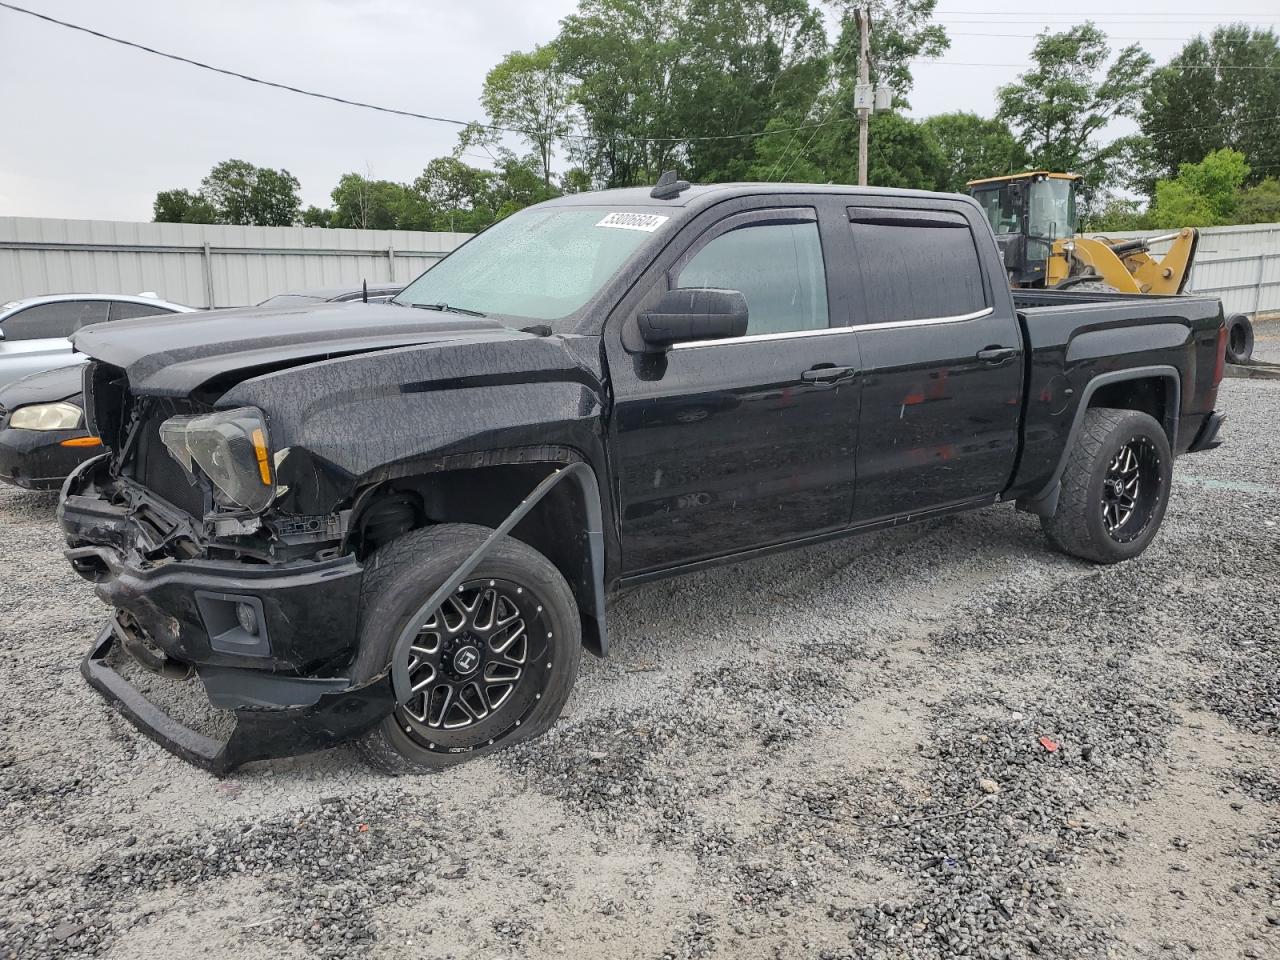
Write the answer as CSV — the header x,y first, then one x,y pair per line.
x,y
864,85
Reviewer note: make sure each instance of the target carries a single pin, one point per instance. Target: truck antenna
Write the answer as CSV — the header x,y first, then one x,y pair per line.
x,y
669,187
364,289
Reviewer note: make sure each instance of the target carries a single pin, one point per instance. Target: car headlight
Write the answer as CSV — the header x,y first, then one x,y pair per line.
x,y
47,416
231,448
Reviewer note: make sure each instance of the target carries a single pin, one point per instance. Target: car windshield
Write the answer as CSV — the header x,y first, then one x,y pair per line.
x,y
538,264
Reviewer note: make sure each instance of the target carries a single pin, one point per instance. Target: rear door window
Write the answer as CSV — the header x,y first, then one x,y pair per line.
x,y
915,264
52,320
126,310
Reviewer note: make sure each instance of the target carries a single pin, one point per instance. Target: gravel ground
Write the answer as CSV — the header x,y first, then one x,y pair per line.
x,y
944,741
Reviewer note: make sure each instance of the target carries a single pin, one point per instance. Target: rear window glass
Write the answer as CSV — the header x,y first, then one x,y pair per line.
x,y
915,265
126,310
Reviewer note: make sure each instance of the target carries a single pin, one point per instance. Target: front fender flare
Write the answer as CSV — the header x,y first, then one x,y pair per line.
x,y
580,473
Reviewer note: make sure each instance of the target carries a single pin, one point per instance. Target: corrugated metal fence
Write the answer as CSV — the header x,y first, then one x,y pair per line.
x,y
1240,265
204,265
211,265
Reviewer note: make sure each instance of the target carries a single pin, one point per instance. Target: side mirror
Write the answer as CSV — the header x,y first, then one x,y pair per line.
x,y
694,313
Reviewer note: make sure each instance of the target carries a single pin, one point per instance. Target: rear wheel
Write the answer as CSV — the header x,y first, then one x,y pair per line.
x,y
1115,487
493,666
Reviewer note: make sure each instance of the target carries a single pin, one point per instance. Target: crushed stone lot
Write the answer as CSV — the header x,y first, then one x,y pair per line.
x,y
941,741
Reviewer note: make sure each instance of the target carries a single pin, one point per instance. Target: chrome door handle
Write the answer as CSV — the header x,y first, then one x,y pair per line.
x,y
823,374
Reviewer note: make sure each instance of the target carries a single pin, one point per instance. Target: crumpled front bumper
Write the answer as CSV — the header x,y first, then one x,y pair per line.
x,y
286,677
336,714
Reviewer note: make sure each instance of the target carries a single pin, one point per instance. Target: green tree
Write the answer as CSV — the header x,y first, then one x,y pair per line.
x,y
529,92
1060,107
822,145
747,62
315,216
649,73
182,206
1260,203
1220,92
901,30
1203,194
378,205
903,154
1118,215
460,196
247,195
974,147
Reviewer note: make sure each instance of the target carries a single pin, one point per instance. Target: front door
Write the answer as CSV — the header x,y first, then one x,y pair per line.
x,y
724,446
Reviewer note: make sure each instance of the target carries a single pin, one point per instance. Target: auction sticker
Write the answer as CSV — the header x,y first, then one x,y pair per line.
x,y
648,222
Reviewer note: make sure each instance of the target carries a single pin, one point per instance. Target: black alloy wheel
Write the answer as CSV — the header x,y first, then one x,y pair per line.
x,y
1131,489
1114,488
492,666
477,666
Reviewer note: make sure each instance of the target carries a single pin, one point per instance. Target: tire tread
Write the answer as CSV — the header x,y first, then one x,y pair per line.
x,y
1068,528
384,568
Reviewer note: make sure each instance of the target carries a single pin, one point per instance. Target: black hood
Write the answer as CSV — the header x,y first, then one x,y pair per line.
x,y
174,355
50,386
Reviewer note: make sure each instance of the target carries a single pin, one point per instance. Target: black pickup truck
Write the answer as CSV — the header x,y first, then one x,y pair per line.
x,y
399,523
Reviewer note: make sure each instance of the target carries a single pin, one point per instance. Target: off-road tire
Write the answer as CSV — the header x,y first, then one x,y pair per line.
x,y
402,575
1239,339
1079,525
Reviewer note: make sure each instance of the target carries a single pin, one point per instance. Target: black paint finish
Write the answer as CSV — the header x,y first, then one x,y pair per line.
x,y
931,389
35,459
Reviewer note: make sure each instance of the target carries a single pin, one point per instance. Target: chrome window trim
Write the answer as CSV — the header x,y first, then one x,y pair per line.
x,y
762,337
826,331
927,321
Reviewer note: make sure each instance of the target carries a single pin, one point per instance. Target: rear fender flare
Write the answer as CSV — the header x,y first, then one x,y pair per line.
x,y
1045,502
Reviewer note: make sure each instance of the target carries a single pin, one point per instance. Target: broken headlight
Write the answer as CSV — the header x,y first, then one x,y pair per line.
x,y
231,448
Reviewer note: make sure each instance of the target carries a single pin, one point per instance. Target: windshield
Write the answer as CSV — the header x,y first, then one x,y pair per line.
x,y
1052,212
538,264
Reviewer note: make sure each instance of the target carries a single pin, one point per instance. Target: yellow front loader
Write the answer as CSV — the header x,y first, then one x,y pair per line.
x,y
1034,218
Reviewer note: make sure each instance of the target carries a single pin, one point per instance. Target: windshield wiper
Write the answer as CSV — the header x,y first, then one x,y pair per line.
x,y
447,308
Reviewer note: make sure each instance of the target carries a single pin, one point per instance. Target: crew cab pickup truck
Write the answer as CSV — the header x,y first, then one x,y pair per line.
x,y
400,523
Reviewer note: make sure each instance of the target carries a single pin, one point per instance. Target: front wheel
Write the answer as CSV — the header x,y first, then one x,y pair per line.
x,y
1115,487
493,666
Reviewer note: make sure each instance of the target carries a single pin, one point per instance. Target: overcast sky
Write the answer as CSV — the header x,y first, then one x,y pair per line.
x,y
90,129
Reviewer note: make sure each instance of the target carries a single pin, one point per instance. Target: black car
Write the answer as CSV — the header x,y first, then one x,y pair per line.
x,y
401,523
42,429
38,454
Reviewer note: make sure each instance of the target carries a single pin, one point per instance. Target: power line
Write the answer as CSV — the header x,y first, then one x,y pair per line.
x,y
1110,36
1028,63
393,110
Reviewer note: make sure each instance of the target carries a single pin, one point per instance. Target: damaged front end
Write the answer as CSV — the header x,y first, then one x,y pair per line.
x,y
173,529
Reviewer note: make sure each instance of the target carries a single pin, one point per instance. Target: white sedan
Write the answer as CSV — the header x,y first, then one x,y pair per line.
x,y
35,333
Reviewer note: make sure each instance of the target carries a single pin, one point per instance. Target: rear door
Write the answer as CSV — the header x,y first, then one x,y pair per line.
x,y
37,338
728,445
941,357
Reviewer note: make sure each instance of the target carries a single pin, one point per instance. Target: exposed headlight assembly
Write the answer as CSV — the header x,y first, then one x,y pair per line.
x,y
231,448
47,416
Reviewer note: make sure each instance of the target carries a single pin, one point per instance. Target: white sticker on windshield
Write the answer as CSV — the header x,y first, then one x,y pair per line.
x,y
648,222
